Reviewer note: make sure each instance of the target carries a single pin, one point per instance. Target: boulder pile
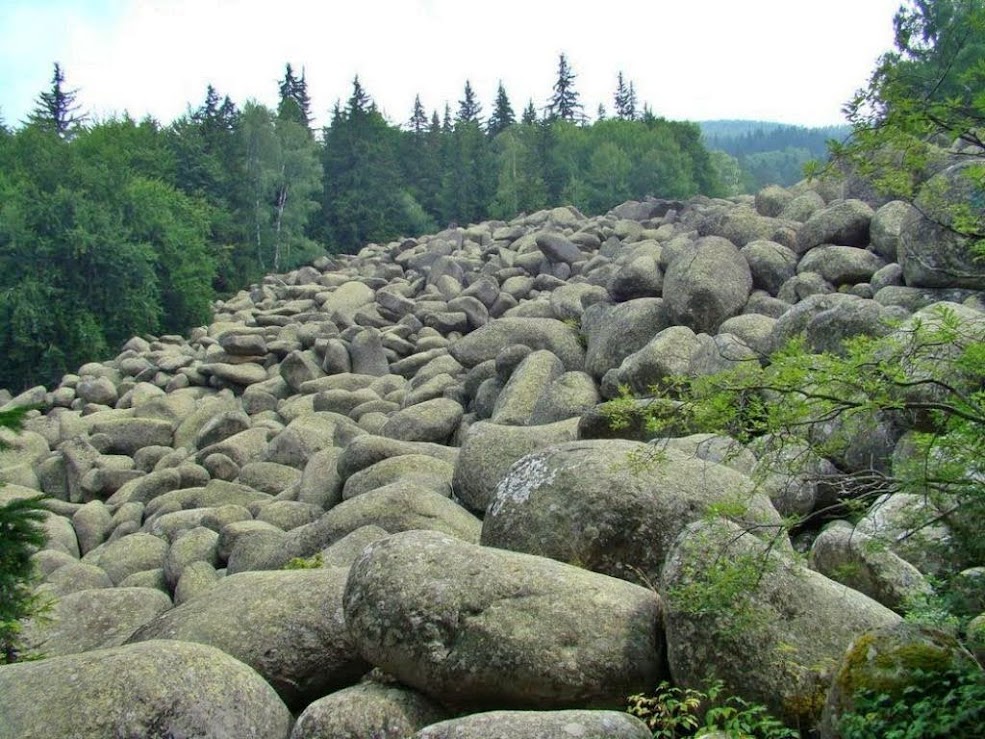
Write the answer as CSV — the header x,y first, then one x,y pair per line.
x,y
377,496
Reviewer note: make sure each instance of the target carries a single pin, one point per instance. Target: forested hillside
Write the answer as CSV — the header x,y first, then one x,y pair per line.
x,y
111,228
769,153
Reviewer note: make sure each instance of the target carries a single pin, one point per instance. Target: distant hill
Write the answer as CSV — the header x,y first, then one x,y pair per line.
x,y
768,152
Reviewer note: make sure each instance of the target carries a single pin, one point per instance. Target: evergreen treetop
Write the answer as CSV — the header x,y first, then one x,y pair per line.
x,y
564,104
295,104
625,100
418,119
502,116
469,107
56,109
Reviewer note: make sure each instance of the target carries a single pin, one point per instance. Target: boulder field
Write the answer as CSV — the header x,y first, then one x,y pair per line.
x,y
378,496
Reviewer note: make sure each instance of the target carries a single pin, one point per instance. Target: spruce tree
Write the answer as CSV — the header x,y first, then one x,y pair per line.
x,y
564,104
625,100
56,109
446,126
468,107
529,114
502,116
359,102
295,104
600,113
419,119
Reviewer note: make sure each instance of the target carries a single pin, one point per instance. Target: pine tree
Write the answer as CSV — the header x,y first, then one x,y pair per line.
x,y
468,108
529,114
446,126
564,103
359,102
502,116
625,100
419,119
295,105
600,113
56,110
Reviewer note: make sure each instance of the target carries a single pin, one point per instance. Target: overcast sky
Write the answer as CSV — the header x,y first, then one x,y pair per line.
x,y
793,61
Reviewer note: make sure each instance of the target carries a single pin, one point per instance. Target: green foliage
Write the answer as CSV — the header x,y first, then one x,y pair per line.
x,y
925,92
313,562
21,533
934,703
673,712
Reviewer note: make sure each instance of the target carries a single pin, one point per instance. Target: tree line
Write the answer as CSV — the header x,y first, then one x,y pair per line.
x,y
769,153
119,227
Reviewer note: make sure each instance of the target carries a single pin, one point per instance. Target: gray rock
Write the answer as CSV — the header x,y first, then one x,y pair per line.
x,y
558,249
537,333
610,506
771,264
858,561
538,725
93,523
289,514
247,373
130,554
886,657
841,265
127,435
707,284
419,469
308,434
287,626
569,396
770,637
367,450
220,427
196,580
320,482
75,577
477,626
489,450
200,544
615,332
526,386
431,421
268,477
370,709
931,254
845,224
886,227
93,619
160,688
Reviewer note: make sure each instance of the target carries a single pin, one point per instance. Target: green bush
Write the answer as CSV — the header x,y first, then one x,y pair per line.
x,y
673,712
934,704
21,534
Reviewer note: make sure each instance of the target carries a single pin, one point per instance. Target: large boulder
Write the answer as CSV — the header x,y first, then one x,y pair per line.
x,y
707,284
931,253
538,333
489,450
888,660
370,709
616,331
612,506
478,627
863,564
538,725
286,625
93,619
154,689
740,611
845,224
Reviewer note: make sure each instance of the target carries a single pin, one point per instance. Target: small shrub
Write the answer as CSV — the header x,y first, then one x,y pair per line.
x,y
305,563
934,704
673,712
21,534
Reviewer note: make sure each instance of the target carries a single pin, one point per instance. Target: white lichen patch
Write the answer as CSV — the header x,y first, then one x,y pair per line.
x,y
524,477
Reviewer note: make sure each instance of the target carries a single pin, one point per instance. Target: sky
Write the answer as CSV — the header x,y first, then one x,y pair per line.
x,y
790,61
